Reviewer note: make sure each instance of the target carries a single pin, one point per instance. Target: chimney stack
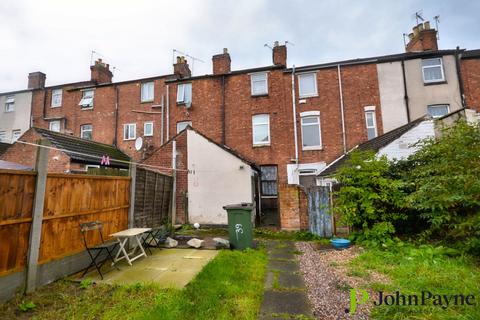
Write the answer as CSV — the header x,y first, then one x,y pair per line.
x,y
279,54
100,72
422,38
181,68
36,80
221,62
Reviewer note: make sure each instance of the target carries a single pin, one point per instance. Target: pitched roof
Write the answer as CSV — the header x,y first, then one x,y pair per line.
x,y
85,151
374,145
6,165
3,147
471,54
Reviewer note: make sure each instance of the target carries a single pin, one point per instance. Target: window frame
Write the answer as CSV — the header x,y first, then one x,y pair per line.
x,y
10,103
261,143
438,105
59,125
3,136
85,106
82,131
145,129
371,110
13,134
252,82
307,95
52,104
268,196
183,86
188,122
128,125
310,115
431,67
150,99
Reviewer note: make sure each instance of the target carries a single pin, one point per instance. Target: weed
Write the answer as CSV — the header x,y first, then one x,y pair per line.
x,y
85,283
26,306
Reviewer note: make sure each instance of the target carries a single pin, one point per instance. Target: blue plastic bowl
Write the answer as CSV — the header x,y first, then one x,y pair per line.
x,y
340,243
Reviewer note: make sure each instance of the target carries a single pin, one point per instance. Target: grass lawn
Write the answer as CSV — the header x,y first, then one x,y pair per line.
x,y
229,287
416,269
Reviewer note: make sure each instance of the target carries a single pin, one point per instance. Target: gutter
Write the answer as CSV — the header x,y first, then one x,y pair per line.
x,y
405,96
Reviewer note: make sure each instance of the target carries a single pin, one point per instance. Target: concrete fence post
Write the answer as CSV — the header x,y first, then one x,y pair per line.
x,y
131,211
41,167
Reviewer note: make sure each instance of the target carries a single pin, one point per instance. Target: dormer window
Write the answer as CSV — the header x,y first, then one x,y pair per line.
x,y
87,99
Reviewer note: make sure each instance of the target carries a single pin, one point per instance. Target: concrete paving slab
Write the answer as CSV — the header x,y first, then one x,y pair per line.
x,y
290,280
290,302
283,255
287,266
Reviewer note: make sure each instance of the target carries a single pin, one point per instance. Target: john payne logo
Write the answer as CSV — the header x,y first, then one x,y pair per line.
x,y
361,296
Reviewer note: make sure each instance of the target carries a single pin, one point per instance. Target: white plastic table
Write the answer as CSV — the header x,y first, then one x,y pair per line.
x,y
123,237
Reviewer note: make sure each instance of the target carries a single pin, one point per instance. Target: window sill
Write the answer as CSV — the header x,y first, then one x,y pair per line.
x,y
84,108
434,82
146,101
148,135
313,95
131,139
312,148
53,107
259,95
261,145
269,197
9,111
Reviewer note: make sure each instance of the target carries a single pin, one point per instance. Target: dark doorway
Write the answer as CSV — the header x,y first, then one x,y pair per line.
x,y
269,215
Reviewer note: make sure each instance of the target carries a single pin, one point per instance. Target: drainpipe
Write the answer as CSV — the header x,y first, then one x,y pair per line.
x,y
405,91
168,112
294,107
44,111
116,117
174,185
161,133
459,75
342,111
223,110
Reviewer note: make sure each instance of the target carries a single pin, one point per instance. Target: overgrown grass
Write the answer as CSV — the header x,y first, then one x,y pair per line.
x,y
265,233
425,268
229,287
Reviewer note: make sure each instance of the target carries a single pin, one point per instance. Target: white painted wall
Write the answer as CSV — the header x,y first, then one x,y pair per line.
x,y
215,180
402,147
18,119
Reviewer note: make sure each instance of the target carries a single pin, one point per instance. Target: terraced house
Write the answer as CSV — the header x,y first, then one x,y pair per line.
x,y
291,122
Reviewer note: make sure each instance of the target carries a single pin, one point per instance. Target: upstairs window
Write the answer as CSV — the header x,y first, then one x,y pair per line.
x,y
86,131
129,131
184,93
261,129
311,135
307,85
438,110
56,98
268,181
87,99
259,83
182,125
148,129
371,123
10,104
16,134
54,125
147,92
432,70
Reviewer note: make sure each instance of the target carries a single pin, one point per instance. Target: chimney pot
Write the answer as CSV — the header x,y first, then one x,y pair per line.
x,y
276,44
427,25
423,38
225,50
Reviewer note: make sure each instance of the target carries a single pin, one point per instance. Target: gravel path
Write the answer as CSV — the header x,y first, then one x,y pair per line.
x,y
327,283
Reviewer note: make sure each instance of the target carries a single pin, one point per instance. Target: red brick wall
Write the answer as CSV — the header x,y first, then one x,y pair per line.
x,y
470,70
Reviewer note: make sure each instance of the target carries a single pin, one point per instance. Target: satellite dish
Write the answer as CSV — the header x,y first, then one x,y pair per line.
x,y
138,143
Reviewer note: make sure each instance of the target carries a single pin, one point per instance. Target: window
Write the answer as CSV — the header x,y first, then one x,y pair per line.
x,y
148,129
311,134
86,131
16,134
269,181
371,122
438,110
307,85
87,99
184,93
55,125
10,104
56,98
182,125
146,92
3,136
129,131
432,70
259,83
261,129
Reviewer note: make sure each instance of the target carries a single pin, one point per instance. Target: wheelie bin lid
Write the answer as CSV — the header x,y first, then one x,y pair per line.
x,y
243,206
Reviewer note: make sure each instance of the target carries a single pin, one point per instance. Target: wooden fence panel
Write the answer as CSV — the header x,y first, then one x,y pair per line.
x,y
17,190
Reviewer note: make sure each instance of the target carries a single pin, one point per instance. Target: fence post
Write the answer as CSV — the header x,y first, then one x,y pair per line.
x,y
131,210
37,217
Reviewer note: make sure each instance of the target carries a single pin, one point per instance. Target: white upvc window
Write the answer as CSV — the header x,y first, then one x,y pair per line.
x,y
307,85
147,92
311,130
438,110
129,131
87,99
259,83
54,125
184,93
10,104
432,70
16,134
148,129
182,125
86,131
3,136
371,122
56,98
261,129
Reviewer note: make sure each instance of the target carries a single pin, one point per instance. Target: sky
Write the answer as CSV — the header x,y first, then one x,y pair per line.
x,y
137,38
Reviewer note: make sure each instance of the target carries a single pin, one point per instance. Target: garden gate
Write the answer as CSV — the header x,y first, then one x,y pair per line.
x,y
319,215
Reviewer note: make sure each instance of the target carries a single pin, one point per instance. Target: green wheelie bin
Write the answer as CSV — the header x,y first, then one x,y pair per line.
x,y
240,228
